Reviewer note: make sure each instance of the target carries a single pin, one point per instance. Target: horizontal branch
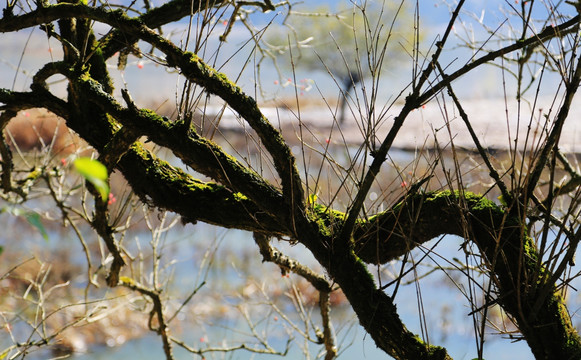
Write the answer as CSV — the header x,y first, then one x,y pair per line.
x,y
421,218
505,246
156,181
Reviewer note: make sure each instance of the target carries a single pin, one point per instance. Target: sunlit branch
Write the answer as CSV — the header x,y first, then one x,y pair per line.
x,y
196,70
161,328
380,155
548,33
195,151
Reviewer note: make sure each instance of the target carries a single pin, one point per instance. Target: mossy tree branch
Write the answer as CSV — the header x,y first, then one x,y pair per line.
x,y
193,68
154,18
169,188
501,237
343,244
156,181
344,266
195,151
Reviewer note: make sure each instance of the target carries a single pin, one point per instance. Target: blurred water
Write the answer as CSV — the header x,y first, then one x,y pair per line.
x,y
445,308
446,317
444,305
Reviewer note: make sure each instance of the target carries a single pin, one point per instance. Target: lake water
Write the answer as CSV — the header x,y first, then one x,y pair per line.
x,y
446,313
237,272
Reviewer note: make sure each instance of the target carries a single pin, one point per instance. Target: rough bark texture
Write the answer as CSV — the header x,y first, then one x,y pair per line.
x,y
240,198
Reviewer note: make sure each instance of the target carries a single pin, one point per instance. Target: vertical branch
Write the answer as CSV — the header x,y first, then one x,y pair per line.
x,y
552,141
380,155
157,311
317,281
100,223
64,210
328,336
6,161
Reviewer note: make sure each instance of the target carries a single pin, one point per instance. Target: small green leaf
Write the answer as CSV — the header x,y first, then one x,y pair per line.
x,y
95,173
91,168
1,251
34,220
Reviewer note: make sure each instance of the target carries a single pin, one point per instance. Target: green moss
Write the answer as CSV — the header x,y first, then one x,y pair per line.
x,y
239,197
193,57
327,220
99,70
322,226
154,118
437,352
178,179
481,203
530,250
571,347
476,201
363,266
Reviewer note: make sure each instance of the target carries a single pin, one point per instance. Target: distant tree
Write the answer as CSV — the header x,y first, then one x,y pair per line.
x,y
519,251
350,41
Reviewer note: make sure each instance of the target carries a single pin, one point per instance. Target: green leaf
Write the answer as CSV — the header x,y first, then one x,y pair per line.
x,y
91,168
1,251
33,219
95,173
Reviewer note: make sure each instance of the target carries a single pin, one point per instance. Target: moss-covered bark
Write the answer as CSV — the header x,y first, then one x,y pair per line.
x,y
502,238
375,310
241,199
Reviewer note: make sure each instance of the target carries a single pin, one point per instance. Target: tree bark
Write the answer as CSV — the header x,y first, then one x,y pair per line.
x,y
240,198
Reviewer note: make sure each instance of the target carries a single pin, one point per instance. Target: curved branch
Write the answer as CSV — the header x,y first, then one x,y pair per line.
x,y
172,189
196,152
380,155
375,310
167,13
157,181
193,68
502,239
216,83
415,100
